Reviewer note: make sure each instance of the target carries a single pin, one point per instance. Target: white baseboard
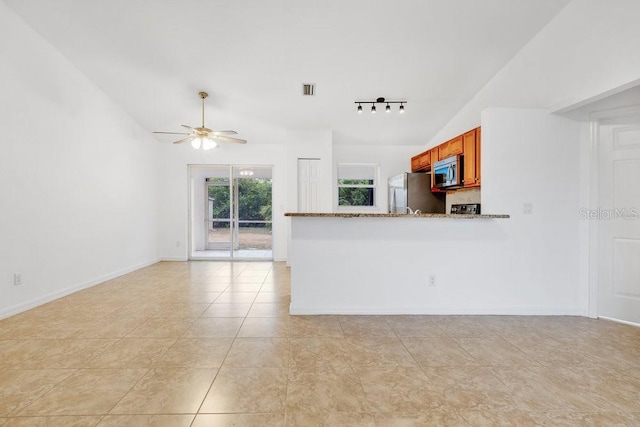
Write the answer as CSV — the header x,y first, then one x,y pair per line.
x,y
179,259
500,311
625,322
28,305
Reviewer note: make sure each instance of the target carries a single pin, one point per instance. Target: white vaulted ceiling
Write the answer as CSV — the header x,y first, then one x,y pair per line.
x,y
252,56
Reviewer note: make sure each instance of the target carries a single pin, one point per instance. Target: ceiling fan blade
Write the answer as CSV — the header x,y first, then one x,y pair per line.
x,y
188,127
187,139
174,133
229,139
218,132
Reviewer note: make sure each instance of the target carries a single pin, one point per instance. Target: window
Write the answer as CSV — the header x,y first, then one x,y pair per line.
x,y
357,184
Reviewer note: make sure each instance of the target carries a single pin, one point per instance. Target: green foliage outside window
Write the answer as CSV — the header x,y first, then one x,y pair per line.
x,y
355,192
254,201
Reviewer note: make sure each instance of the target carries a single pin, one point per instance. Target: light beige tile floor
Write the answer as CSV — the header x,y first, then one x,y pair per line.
x,y
212,344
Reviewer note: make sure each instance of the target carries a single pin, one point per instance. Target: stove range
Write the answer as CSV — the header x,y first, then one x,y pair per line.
x,y
466,209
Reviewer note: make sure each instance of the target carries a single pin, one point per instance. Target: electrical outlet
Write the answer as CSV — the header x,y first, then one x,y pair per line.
x,y
432,280
17,279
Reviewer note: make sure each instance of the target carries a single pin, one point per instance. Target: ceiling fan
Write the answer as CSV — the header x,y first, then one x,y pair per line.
x,y
202,136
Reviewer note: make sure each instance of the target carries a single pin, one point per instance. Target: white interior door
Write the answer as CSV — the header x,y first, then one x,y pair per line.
x,y
618,217
308,185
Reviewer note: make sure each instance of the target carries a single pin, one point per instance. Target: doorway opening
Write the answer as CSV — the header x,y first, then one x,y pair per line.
x,y
231,209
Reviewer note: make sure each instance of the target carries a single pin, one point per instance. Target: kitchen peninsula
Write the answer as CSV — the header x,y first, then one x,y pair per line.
x,y
376,263
392,215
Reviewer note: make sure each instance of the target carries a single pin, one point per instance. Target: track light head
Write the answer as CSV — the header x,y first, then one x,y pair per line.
x,y
387,108
401,108
359,109
373,108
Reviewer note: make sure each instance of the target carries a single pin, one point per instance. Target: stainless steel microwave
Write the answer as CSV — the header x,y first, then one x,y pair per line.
x,y
447,172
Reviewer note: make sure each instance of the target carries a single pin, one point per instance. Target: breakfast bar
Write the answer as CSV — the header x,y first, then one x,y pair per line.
x,y
367,263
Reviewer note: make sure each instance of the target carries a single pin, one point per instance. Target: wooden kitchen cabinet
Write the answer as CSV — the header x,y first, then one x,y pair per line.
x,y
456,146
471,152
478,155
415,163
467,145
443,151
421,162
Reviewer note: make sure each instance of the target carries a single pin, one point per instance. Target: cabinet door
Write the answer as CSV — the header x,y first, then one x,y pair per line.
x,y
425,160
478,155
415,163
421,162
455,145
443,151
469,143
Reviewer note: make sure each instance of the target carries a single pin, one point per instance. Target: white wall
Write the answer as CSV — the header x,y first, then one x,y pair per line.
x,y
533,157
392,160
283,155
586,53
590,49
77,175
174,195
174,183
527,264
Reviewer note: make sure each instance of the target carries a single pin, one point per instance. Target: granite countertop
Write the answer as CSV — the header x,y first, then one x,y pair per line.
x,y
388,215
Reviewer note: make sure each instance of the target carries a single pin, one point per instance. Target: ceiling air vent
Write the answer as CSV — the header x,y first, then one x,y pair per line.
x,y
308,89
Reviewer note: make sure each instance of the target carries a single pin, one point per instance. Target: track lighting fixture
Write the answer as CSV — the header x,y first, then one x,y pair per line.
x,y
381,101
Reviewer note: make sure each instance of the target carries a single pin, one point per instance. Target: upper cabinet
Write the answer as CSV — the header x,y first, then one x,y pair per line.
x,y
471,153
466,145
421,162
444,151
455,146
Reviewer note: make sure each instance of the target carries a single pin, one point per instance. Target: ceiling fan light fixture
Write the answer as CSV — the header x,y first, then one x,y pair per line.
x,y
208,144
202,136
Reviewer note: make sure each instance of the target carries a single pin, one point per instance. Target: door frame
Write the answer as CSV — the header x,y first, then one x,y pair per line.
x,y
594,186
192,229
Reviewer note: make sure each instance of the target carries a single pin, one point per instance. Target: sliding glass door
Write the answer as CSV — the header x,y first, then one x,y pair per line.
x,y
252,212
219,218
237,212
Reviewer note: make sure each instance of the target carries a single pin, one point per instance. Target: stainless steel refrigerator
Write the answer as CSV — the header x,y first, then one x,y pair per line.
x,y
413,190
